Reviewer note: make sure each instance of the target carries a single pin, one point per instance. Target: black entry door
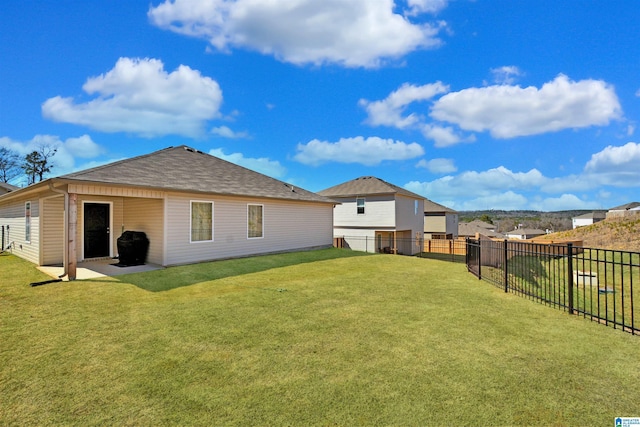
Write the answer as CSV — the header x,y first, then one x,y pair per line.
x,y
96,230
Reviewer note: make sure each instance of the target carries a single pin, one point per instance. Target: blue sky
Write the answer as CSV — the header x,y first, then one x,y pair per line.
x,y
485,104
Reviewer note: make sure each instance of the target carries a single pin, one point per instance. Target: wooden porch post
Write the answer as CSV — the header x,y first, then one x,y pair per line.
x,y
395,245
72,226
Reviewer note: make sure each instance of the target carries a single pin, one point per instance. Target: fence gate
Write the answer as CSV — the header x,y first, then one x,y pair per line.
x,y
473,256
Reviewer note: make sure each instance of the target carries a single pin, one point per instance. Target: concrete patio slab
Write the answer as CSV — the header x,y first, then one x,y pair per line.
x,y
98,268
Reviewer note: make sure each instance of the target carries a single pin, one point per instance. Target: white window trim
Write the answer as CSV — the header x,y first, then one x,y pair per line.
x,y
191,202
27,221
81,224
364,206
263,231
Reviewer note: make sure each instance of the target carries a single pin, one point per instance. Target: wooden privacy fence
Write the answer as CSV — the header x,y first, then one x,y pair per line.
x,y
445,246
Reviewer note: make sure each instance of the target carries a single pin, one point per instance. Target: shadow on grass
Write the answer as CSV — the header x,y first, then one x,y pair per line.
x,y
186,275
443,257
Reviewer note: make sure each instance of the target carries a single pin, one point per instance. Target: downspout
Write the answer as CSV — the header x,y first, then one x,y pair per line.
x,y
65,255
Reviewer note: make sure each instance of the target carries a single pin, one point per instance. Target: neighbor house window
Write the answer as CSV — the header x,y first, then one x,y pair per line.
x,y
27,222
255,221
360,206
201,221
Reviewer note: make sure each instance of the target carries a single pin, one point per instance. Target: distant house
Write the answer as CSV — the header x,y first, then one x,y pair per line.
x,y
632,208
5,188
440,222
376,216
588,218
524,233
470,229
192,206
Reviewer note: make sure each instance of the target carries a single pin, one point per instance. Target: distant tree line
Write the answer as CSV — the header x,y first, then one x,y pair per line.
x,y
32,166
510,220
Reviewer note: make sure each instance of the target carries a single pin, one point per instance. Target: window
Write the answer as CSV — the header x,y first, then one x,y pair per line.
x,y
415,207
27,222
201,221
255,221
360,205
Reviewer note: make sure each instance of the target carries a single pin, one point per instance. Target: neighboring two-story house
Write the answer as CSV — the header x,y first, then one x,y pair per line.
x,y
440,222
376,216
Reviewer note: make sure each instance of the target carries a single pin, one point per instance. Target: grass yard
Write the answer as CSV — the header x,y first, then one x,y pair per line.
x,y
329,337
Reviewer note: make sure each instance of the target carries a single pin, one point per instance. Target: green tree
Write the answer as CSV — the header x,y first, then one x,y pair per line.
x,y
38,162
486,218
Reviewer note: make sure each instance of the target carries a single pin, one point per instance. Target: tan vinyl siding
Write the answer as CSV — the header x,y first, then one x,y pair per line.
x,y
435,224
53,230
13,215
146,215
287,226
407,217
379,212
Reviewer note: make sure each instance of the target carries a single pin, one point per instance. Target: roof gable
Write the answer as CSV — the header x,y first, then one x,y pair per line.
x,y
186,169
431,206
5,187
366,185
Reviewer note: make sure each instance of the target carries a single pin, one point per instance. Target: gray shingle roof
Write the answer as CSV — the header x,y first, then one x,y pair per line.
x,y
366,185
185,169
626,206
5,187
431,206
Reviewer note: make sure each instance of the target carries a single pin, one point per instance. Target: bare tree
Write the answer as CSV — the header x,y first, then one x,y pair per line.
x,y
38,162
9,164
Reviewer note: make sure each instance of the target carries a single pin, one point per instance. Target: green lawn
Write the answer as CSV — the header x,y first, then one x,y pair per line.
x,y
319,338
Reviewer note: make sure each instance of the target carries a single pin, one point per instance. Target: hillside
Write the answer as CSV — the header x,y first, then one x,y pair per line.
x,y
620,234
509,220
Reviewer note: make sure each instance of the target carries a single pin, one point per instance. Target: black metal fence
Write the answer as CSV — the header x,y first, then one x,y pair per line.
x,y
599,284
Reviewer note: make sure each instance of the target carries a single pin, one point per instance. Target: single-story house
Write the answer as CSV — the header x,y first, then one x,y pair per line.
x,y
376,216
477,227
5,188
524,233
192,206
627,209
440,222
588,218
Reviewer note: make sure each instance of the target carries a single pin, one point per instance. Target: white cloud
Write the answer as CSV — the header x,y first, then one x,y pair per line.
x,y
501,188
140,97
355,33
68,150
564,202
617,166
506,75
507,201
481,188
444,136
438,165
389,111
367,151
226,132
511,111
263,165
428,6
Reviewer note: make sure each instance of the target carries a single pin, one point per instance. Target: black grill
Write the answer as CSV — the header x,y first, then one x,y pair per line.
x,y
132,248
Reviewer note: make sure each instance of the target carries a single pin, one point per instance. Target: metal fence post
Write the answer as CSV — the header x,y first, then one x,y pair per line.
x,y
505,264
570,277
479,259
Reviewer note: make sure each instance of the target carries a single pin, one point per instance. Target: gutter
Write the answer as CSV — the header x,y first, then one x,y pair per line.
x,y
65,255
